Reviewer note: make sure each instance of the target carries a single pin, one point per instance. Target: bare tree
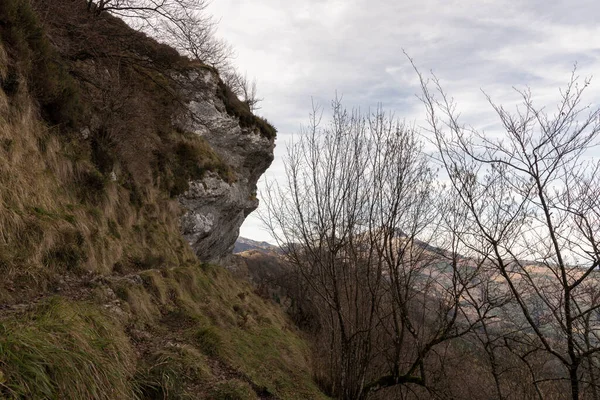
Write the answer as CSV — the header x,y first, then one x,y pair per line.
x,y
185,25
532,200
356,216
243,87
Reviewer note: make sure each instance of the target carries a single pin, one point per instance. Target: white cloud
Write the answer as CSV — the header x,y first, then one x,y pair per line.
x,y
311,49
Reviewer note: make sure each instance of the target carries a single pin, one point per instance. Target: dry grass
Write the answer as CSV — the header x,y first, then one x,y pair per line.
x,y
47,228
184,333
60,211
59,214
221,318
65,350
158,325
233,390
168,371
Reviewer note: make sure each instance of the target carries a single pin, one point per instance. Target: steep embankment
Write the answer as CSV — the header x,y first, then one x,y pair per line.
x,y
116,155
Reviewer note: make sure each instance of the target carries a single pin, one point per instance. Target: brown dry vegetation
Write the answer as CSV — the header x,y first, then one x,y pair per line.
x,y
85,98
186,332
100,296
61,211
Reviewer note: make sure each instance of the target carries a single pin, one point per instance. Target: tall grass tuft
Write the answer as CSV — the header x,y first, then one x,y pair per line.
x,y
64,350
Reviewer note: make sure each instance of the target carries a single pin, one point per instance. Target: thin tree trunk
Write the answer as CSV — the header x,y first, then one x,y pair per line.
x,y
574,381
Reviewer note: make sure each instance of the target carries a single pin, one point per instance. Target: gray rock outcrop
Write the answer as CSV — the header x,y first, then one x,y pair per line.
x,y
214,209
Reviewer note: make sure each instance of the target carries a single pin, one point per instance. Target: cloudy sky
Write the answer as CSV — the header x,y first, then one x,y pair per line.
x,y
311,49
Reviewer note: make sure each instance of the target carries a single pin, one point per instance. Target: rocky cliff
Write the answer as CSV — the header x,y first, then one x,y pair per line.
x,y
215,208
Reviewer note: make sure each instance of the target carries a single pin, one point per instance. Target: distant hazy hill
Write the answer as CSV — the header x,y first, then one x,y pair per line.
x,y
244,244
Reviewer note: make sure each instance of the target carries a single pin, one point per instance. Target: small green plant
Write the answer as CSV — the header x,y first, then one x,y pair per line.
x,y
70,218
41,212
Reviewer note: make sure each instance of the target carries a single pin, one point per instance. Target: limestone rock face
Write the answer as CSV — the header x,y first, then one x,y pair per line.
x,y
215,209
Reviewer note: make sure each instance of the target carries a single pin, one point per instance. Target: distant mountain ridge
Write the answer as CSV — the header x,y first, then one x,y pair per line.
x,y
243,244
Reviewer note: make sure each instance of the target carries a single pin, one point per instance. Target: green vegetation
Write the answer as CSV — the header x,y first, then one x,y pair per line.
x,y
169,369
64,349
182,323
261,346
209,340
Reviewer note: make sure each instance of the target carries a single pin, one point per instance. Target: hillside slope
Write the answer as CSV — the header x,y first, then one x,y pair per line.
x,y
116,157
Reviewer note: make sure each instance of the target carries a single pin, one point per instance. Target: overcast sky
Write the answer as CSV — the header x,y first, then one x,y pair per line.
x,y
311,49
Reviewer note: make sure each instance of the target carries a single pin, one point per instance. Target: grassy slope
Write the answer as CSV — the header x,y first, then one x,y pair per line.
x,y
183,332
100,297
